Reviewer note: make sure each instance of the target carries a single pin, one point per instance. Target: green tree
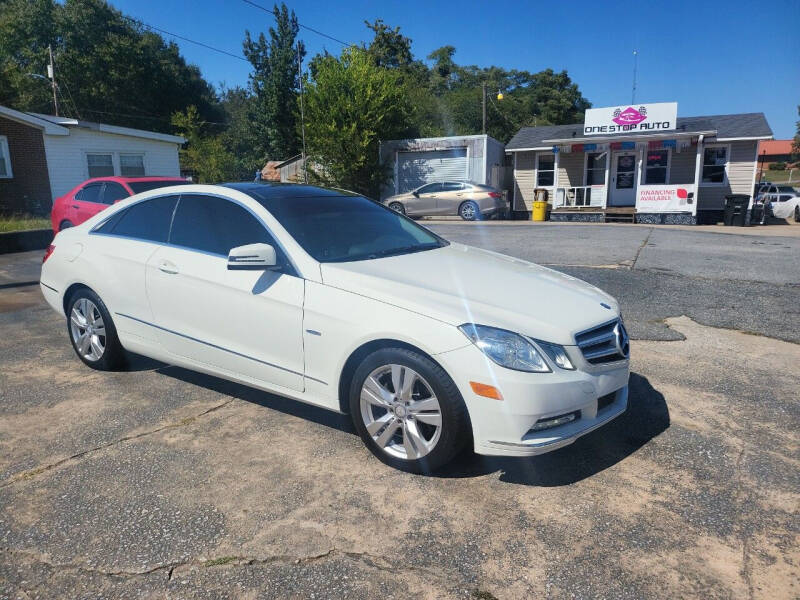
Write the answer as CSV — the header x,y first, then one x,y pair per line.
x,y
205,154
389,48
796,143
275,83
351,105
108,67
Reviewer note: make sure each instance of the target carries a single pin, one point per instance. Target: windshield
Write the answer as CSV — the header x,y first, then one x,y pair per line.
x,y
347,228
145,186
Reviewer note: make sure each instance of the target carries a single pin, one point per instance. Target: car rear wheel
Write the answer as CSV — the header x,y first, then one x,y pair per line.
x,y
407,410
797,214
398,207
92,332
469,211
65,225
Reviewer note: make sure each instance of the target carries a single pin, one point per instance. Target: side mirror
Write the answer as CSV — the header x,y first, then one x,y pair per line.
x,y
252,257
415,193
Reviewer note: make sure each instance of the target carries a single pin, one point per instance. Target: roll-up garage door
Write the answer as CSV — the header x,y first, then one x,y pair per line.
x,y
418,168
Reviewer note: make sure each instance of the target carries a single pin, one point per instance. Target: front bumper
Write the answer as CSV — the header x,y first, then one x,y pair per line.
x,y
595,395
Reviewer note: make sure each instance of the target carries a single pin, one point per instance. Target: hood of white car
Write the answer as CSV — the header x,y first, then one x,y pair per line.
x,y
460,284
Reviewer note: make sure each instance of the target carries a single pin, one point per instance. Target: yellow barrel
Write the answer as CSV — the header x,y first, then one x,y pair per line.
x,y
539,211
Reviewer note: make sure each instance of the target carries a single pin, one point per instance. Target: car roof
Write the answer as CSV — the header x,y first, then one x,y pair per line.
x,y
274,190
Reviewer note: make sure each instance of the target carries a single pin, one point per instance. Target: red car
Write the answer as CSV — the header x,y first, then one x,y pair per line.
x,y
93,195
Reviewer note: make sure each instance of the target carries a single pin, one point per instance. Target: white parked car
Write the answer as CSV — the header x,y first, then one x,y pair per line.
x,y
784,201
333,299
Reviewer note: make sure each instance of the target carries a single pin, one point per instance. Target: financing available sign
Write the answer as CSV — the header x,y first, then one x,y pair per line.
x,y
631,118
665,198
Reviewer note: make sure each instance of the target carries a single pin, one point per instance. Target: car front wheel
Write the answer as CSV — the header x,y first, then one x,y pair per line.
x,y
797,214
408,411
65,225
92,332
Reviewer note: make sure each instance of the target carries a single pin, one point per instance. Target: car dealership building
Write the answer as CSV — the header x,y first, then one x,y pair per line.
x,y
638,162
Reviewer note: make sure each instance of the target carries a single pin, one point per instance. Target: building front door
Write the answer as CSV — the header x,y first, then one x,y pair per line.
x,y
623,180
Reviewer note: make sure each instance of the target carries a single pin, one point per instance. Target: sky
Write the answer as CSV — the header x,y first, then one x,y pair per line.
x,y
711,57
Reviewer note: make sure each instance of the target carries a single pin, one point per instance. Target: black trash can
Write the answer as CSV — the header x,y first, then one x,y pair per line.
x,y
736,209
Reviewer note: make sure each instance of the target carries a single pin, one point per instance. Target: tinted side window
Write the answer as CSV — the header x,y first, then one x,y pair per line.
x,y
91,193
113,192
148,220
215,225
452,186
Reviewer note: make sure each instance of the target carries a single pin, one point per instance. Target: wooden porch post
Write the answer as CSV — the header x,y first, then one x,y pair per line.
x,y
555,179
698,167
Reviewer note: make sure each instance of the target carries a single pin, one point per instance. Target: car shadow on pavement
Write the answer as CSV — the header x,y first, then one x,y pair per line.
x,y
647,416
287,406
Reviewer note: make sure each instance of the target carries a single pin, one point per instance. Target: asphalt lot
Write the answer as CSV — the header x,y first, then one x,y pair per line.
x,y
158,482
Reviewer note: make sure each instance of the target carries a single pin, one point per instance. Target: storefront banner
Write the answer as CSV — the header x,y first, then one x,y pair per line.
x,y
651,118
665,198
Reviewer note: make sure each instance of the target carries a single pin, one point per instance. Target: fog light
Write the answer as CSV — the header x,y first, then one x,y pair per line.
x,y
554,421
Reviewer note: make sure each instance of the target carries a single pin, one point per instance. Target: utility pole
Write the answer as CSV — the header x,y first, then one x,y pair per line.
x,y
51,73
483,97
302,116
635,65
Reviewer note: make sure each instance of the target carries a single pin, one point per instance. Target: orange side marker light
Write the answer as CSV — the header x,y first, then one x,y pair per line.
x,y
487,391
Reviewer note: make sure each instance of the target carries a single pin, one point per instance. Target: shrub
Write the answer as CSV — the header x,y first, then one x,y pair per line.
x,y
778,166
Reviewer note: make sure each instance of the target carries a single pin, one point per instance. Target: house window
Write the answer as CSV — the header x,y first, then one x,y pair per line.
x,y
100,165
715,160
655,169
5,159
131,165
596,168
545,170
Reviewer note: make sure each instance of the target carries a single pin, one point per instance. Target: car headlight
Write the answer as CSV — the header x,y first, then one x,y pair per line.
x,y
505,348
557,354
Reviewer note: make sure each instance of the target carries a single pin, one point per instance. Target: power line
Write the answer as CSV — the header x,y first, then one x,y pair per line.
x,y
317,31
185,39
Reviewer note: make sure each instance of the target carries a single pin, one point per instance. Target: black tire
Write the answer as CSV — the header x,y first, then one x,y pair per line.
x,y
469,211
455,425
113,355
398,207
797,214
65,225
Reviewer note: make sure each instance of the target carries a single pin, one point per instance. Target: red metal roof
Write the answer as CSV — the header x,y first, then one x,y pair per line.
x,y
769,147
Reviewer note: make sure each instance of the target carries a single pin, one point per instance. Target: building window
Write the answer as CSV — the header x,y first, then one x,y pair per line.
x,y
5,159
656,166
715,160
131,165
100,165
545,170
596,168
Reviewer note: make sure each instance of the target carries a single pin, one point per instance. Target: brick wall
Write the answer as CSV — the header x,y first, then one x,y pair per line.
x,y
28,191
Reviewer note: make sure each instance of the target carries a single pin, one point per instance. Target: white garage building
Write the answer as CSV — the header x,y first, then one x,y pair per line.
x,y
417,161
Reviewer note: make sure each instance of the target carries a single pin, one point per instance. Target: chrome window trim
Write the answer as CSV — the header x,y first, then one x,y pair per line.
x,y
93,231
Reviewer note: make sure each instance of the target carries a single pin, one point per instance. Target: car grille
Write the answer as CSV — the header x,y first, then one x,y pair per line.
x,y
602,344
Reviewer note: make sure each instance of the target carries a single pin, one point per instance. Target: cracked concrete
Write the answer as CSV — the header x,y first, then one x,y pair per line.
x,y
159,482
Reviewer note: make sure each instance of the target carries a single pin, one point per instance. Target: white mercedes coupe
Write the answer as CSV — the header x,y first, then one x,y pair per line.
x,y
330,298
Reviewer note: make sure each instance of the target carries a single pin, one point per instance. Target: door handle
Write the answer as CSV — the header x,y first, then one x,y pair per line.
x,y
75,206
166,266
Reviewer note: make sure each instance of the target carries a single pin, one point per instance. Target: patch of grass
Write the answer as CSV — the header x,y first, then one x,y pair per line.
x,y
23,223
783,177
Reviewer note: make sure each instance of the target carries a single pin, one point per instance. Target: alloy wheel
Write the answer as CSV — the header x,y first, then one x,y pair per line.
x,y
88,329
468,212
401,412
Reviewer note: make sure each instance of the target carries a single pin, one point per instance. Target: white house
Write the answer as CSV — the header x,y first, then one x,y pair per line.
x,y
43,157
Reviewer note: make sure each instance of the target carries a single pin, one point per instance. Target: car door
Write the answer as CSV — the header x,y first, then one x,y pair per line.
x,y
246,323
87,203
425,201
450,198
